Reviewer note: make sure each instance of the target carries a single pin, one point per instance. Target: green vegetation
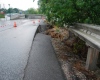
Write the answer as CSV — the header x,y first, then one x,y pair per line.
x,y
2,16
16,10
10,10
32,11
79,48
61,12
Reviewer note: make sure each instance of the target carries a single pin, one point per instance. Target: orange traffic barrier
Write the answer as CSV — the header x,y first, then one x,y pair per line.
x,y
33,22
15,24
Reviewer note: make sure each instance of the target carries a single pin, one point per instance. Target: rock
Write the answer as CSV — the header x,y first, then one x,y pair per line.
x,y
97,73
70,42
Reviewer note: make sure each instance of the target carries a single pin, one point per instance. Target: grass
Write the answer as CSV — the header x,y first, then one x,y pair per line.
x,y
2,16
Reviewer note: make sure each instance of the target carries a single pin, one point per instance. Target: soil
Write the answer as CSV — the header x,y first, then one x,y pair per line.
x,y
72,65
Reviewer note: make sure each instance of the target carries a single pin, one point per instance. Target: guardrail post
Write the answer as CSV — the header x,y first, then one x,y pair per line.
x,y
92,57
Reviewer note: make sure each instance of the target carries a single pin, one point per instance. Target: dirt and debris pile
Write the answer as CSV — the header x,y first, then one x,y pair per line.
x,y
71,52
59,33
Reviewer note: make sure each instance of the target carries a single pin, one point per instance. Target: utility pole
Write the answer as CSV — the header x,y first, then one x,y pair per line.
x,y
9,11
0,7
4,6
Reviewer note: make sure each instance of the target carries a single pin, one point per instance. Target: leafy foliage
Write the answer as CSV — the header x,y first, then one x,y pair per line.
x,y
79,48
62,12
1,15
32,11
10,10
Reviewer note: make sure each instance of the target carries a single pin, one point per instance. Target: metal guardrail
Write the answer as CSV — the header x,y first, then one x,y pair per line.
x,y
35,16
17,16
91,35
13,16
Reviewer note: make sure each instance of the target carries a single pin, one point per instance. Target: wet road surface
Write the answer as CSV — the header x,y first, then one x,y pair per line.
x,y
43,63
9,24
15,45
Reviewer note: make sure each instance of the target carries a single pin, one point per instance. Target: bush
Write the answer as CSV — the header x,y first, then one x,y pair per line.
x,y
80,48
62,12
2,16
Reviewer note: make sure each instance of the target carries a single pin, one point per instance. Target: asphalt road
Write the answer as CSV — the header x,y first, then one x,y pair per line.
x,y
15,45
42,63
9,24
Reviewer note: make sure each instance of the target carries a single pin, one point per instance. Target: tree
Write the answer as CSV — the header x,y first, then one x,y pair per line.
x,y
61,12
13,10
4,10
32,11
16,10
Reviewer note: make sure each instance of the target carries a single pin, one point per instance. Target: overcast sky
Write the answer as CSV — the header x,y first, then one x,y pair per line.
x,y
21,4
